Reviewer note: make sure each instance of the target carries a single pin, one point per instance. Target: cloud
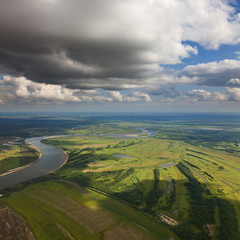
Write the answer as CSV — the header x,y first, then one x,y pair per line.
x,y
132,97
234,81
139,96
27,89
22,88
5,97
238,54
94,44
167,92
214,73
202,95
215,22
231,94
234,94
116,95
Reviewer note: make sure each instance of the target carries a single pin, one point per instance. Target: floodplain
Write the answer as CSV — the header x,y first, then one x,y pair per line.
x,y
121,183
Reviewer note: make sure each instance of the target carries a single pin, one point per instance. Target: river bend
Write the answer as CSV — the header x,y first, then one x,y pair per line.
x,y
51,159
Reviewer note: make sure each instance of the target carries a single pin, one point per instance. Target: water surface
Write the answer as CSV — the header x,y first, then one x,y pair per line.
x,y
51,159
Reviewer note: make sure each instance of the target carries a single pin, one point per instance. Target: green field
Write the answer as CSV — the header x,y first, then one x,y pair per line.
x,y
196,181
58,210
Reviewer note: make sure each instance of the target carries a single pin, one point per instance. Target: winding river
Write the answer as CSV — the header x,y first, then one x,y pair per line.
x,y
51,159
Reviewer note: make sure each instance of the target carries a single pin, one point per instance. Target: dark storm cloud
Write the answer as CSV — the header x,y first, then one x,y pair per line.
x,y
69,42
106,44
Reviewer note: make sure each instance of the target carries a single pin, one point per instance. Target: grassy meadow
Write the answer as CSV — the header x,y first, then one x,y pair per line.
x,y
58,210
161,177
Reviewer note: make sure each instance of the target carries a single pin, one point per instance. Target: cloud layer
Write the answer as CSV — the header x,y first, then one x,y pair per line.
x,y
223,73
231,94
24,89
111,44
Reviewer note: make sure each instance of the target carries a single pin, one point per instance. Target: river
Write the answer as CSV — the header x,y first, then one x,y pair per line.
x,y
51,159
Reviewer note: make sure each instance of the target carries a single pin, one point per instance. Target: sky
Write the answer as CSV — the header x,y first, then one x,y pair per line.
x,y
120,55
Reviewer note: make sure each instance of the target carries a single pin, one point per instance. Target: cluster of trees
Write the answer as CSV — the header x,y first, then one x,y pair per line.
x,y
126,143
191,164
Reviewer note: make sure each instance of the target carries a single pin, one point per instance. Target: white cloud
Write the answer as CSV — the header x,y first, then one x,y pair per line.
x,y
20,87
209,23
231,94
234,81
142,95
212,67
202,95
116,95
234,94
132,97
27,89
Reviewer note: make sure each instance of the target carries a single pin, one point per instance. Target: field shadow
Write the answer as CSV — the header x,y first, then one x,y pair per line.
x,y
208,215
